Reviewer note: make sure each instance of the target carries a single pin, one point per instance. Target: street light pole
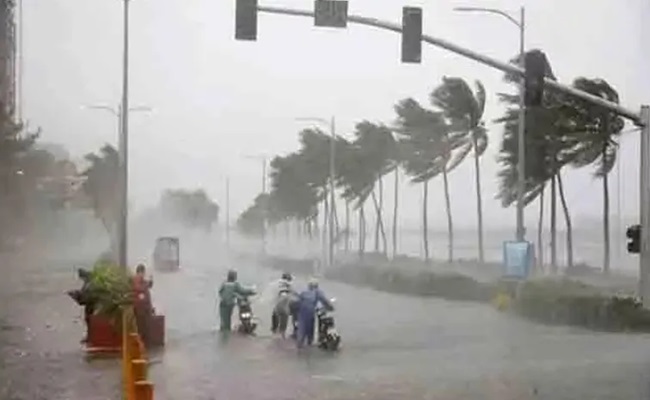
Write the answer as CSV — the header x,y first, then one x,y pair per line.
x,y
521,133
521,136
332,197
263,159
228,212
117,113
124,148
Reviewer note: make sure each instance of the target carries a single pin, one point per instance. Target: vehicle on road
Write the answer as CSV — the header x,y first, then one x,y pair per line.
x,y
329,338
247,320
166,254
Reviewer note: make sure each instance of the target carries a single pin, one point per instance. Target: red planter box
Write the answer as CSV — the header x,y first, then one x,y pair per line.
x,y
104,336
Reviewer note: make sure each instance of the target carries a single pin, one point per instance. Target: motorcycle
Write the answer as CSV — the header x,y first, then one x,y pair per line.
x,y
329,338
247,320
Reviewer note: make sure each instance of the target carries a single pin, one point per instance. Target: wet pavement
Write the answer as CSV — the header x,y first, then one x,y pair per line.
x,y
40,328
392,346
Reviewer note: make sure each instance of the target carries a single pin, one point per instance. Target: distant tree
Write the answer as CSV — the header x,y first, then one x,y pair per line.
x,y
251,221
464,108
101,186
15,143
420,134
190,208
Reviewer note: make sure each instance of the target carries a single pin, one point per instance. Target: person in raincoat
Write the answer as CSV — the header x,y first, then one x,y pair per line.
x,y
229,292
142,306
284,298
84,298
308,302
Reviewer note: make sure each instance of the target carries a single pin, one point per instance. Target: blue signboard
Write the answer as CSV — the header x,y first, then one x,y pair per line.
x,y
517,259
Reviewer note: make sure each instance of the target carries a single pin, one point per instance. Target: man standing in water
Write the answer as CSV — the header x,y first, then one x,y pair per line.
x,y
229,291
281,311
308,302
142,306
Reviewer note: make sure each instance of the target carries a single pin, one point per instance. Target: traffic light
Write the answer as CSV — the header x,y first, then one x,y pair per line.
x,y
246,20
634,235
411,35
331,13
535,69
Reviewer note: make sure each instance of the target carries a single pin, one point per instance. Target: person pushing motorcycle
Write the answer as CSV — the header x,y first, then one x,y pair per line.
x,y
308,303
283,305
229,292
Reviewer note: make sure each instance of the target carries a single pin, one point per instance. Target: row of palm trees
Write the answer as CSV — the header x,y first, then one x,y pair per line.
x,y
430,142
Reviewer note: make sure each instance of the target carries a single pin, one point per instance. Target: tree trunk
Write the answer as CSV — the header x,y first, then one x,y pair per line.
x,y
362,231
540,232
425,218
377,219
325,228
606,232
287,230
567,219
336,224
479,205
554,225
450,224
380,222
347,226
396,199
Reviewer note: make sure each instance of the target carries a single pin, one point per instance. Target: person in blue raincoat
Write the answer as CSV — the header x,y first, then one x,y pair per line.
x,y
229,292
308,302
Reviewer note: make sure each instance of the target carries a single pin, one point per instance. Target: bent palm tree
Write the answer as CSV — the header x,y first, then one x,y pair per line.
x,y
598,144
464,108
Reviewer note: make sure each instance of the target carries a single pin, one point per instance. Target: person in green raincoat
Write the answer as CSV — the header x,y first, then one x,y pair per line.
x,y
229,291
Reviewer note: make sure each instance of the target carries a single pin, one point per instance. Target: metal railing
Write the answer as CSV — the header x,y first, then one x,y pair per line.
x,y
134,361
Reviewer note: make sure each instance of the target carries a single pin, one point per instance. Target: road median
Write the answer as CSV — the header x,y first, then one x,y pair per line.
x,y
557,301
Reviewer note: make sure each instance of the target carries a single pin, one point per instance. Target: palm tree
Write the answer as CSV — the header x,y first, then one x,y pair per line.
x,y
356,179
464,108
550,133
598,144
423,139
377,148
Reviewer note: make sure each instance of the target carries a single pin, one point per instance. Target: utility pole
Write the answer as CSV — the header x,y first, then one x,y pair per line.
x,y
119,115
228,212
521,133
332,196
263,159
124,149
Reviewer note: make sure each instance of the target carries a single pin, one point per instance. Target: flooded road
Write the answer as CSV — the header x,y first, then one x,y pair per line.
x,y
392,346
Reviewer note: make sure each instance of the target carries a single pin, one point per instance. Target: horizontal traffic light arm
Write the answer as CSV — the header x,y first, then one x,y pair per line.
x,y
491,62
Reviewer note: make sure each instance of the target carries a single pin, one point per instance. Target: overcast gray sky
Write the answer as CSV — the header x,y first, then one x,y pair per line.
x,y
217,100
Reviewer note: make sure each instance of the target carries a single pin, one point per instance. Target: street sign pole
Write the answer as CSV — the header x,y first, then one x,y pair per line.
x,y
644,203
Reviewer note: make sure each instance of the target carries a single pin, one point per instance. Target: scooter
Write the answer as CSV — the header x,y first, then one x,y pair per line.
x,y
329,338
247,321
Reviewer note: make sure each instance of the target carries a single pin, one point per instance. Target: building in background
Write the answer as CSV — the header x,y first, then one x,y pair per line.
x,y
8,60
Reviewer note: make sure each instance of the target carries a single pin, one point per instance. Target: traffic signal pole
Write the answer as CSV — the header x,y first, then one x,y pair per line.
x,y
644,205
641,119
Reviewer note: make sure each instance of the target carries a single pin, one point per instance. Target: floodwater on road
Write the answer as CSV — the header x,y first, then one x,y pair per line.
x,y
392,346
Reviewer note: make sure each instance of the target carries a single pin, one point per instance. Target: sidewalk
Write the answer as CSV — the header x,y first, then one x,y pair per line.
x,y
40,328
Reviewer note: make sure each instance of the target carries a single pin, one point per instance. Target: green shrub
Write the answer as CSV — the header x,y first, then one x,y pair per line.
x,y
110,288
551,301
569,302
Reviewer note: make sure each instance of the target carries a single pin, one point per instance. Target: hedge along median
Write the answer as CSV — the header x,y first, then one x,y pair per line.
x,y
550,301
